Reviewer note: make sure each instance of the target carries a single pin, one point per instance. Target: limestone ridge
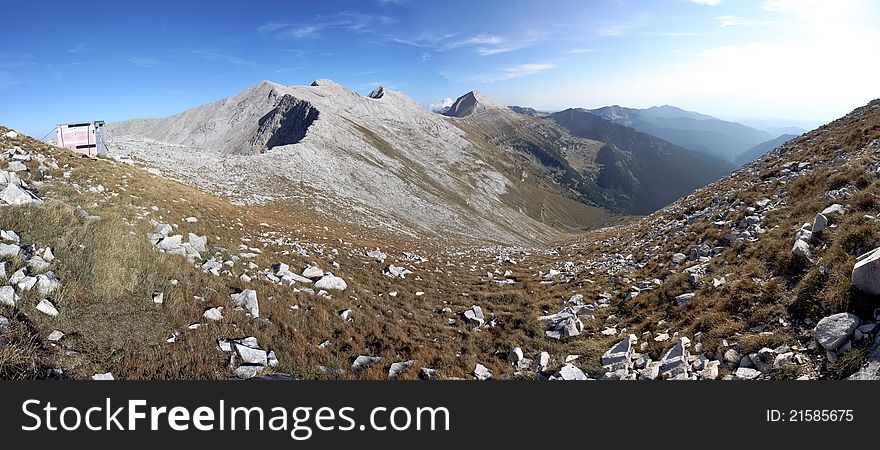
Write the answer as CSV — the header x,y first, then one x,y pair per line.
x,y
470,103
380,160
286,124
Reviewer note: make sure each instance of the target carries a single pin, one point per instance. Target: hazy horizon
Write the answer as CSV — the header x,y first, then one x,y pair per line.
x,y
773,61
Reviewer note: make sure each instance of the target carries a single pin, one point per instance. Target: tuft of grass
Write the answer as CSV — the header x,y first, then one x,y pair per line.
x,y
848,363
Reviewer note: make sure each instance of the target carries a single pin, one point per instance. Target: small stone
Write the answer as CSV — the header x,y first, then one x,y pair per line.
x,y
329,281
362,362
250,355
684,299
55,336
474,316
745,373
482,372
569,372
214,313
9,250
543,361
103,376
399,367
710,370
247,299
46,307
248,371
515,355
8,296
158,298
312,272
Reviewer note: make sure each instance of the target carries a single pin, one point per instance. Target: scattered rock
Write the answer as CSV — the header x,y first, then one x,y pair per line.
x,y
250,355
55,336
832,331
377,255
399,367
482,372
569,372
564,324
8,296
9,250
362,362
515,355
684,299
247,300
16,195
46,307
312,272
214,313
745,373
393,271
329,281
866,273
474,316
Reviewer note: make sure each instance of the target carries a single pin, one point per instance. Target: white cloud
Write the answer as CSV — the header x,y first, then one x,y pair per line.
x,y
575,51
442,105
706,2
518,71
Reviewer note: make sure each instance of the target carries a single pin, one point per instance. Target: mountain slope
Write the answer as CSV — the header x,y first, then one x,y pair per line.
x,y
719,138
762,148
382,160
645,172
726,283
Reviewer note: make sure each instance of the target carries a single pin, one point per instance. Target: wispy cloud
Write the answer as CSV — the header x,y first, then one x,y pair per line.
x,y
355,22
518,71
481,44
706,2
78,48
576,51
221,57
144,62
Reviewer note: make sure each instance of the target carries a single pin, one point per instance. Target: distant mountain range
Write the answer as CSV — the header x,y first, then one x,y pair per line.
x,y
706,134
731,141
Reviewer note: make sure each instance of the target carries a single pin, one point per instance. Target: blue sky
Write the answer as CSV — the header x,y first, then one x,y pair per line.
x,y
800,60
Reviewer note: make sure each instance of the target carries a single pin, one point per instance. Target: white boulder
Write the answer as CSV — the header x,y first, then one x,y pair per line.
x,y
833,331
866,272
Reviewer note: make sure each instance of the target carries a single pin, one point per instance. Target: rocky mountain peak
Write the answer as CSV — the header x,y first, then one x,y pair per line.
x,y
473,101
377,93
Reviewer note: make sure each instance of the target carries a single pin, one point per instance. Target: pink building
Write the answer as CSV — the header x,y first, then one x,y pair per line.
x,y
86,137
